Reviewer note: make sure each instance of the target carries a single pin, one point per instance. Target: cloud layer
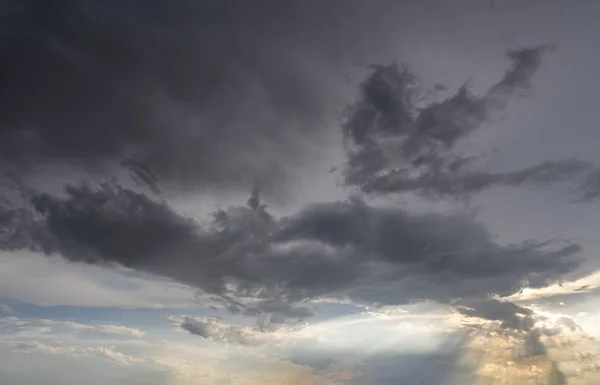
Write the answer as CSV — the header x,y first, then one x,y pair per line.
x,y
226,103
382,255
192,89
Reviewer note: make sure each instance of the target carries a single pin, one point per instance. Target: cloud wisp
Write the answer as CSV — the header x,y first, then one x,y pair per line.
x,y
397,142
74,326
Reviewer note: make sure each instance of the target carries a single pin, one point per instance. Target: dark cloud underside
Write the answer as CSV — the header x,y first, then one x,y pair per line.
x,y
375,255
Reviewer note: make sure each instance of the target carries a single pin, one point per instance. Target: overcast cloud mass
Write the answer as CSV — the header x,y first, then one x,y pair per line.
x,y
285,168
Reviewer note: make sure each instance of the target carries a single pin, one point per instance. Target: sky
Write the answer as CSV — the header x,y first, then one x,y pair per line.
x,y
299,192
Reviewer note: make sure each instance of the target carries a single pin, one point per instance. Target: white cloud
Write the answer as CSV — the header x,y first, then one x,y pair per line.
x,y
48,324
50,281
180,363
107,352
177,361
581,285
115,356
39,347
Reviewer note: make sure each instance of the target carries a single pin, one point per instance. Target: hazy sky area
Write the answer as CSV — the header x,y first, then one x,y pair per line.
x,y
334,192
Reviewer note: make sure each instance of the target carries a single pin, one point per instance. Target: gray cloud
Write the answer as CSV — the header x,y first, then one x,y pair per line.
x,y
533,346
194,89
377,255
398,143
221,94
556,376
510,315
214,329
217,330
569,323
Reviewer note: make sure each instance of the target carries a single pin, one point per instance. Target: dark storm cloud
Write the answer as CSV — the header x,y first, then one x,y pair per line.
x,y
398,143
19,228
222,94
194,89
141,173
375,255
